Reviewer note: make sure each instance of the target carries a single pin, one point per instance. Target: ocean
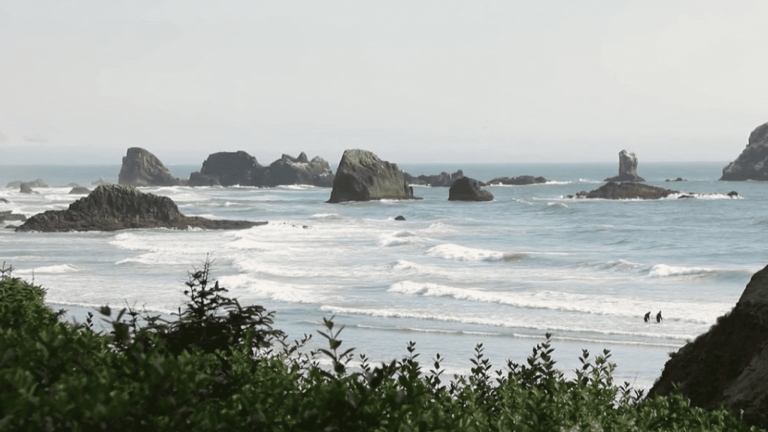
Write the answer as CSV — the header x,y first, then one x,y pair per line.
x,y
454,274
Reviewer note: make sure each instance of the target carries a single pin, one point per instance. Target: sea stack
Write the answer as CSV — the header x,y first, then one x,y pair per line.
x,y
362,176
728,365
468,189
752,163
142,168
627,169
295,171
112,208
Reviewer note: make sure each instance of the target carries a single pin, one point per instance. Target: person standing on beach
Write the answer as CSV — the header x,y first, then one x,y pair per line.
x,y
647,317
658,317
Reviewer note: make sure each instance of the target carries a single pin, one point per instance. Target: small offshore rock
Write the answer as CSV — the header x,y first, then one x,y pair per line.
x,y
3,200
79,190
733,194
26,189
400,218
439,180
627,169
626,190
518,181
9,215
468,189
679,179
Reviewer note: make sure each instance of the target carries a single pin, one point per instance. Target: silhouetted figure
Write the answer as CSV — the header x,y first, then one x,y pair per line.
x,y
647,317
658,317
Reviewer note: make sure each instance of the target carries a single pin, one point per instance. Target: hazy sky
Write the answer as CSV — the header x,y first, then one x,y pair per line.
x,y
413,81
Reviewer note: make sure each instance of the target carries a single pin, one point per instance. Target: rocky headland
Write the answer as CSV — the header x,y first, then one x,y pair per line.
x,y
627,169
436,180
519,180
468,189
362,176
240,168
752,163
728,365
112,208
142,168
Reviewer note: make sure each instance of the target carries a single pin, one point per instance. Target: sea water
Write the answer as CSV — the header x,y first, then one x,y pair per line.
x,y
454,274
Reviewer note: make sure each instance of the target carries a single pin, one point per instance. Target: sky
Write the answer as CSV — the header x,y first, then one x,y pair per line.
x,y
413,81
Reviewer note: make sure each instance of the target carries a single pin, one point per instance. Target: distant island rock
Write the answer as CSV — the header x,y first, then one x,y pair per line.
x,y
625,190
142,168
100,182
112,208
26,189
468,189
438,180
31,184
627,169
240,168
79,190
519,180
679,179
362,176
752,163
727,365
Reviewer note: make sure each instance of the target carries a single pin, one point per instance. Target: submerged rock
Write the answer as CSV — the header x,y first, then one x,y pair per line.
x,y
679,179
362,176
616,191
727,365
142,168
439,180
112,208
627,169
752,163
519,180
400,218
468,189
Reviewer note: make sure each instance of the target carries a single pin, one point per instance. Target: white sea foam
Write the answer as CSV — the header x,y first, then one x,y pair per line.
x,y
463,253
54,269
286,293
664,270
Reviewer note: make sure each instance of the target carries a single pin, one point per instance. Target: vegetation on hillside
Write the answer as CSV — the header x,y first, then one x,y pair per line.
x,y
221,365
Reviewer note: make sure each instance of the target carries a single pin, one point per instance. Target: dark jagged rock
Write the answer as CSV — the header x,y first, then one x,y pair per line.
x,y
752,163
733,194
520,180
362,176
439,180
10,216
79,190
468,189
727,365
679,179
142,168
227,169
615,191
627,169
400,218
112,208
32,184
289,171
26,189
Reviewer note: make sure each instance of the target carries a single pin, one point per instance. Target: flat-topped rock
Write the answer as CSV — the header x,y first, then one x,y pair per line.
x,y
362,176
627,169
752,163
468,189
142,168
519,180
624,190
438,180
728,365
112,208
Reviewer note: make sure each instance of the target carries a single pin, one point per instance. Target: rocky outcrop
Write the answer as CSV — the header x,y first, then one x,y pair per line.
x,y
31,184
142,168
439,180
10,216
289,171
362,176
519,180
112,208
727,365
752,163
627,169
679,179
3,200
26,189
468,189
617,191
79,190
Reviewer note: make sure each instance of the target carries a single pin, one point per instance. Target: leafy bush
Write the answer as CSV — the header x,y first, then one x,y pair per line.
x,y
222,366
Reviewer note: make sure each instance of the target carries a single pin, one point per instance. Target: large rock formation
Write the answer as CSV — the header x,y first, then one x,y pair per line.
x,y
727,365
468,189
752,163
362,176
112,208
519,180
240,168
438,180
615,191
627,168
289,171
142,168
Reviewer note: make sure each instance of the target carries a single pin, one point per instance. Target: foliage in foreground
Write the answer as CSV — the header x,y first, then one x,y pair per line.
x,y
217,367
